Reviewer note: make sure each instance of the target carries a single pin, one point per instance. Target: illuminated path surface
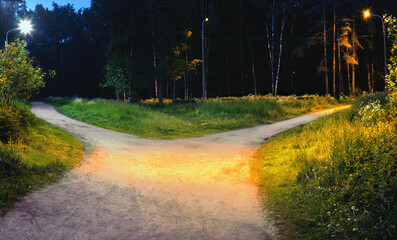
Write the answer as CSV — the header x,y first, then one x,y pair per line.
x,y
132,188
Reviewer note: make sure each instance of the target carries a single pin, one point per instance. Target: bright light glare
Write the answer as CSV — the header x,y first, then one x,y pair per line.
x,y
25,26
367,14
206,19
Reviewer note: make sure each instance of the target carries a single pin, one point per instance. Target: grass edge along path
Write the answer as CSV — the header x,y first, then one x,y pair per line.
x,y
334,178
183,119
42,157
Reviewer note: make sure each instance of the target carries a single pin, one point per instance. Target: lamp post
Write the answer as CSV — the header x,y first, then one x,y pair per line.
x,y
367,14
25,27
202,54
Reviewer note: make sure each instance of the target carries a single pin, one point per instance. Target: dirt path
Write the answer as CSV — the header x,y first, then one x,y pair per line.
x,y
132,188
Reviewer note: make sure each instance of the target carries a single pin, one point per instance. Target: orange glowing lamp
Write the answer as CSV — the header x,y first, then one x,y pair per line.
x,y
367,14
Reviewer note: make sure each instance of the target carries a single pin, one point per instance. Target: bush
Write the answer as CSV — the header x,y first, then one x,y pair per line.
x,y
20,79
14,123
351,194
10,162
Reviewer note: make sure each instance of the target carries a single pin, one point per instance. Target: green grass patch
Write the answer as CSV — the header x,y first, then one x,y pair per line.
x,y
41,157
335,178
179,119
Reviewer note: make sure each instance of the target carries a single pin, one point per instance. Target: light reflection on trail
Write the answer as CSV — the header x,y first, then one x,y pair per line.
x,y
212,173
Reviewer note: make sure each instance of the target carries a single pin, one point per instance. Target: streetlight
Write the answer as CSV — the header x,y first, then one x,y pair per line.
x,y
25,26
367,14
202,53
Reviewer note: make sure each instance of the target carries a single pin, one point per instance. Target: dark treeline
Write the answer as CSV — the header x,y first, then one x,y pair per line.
x,y
251,46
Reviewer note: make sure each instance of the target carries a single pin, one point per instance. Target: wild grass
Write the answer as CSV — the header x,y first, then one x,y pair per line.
x,y
41,157
178,119
335,178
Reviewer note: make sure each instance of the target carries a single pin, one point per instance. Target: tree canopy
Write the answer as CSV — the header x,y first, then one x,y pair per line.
x,y
258,47
19,79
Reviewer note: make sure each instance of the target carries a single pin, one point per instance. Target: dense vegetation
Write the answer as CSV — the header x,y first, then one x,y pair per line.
x,y
31,152
249,46
336,178
189,118
39,156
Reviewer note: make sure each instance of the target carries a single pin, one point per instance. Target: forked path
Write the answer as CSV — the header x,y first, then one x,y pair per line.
x,y
128,187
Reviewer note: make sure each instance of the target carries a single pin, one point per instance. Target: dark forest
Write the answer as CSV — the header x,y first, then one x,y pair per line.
x,y
251,47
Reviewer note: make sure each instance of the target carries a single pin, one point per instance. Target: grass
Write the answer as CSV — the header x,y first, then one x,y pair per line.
x,y
40,158
335,178
179,119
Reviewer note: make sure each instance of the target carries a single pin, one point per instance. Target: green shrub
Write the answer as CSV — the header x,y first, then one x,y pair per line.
x,y
14,123
336,178
10,162
352,195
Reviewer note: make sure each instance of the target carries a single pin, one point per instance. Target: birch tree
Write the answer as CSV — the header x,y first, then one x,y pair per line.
x,y
277,15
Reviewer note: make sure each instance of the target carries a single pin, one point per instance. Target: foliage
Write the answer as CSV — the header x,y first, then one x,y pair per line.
x,y
349,41
391,78
177,67
14,123
115,77
338,177
19,79
183,118
41,157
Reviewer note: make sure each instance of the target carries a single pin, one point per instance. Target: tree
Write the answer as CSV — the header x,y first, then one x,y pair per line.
x,y
19,79
177,67
115,77
276,19
391,78
349,41
325,50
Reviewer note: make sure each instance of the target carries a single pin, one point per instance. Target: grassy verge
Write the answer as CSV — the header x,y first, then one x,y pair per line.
x,y
335,178
41,157
188,118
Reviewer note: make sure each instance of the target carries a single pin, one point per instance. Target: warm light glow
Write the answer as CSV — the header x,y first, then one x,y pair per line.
x,y
367,14
206,19
25,26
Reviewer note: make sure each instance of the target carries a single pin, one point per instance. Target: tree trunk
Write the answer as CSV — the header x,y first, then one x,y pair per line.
x,y
325,50
167,90
161,85
156,92
173,89
334,55
253,68
227,70
185,86
241,50
271,59
354,48
353,79
186,94
284,19
270,43
369,77
340,76
372,75
348,77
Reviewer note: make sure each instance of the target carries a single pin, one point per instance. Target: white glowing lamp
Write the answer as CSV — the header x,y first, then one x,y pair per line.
x,y
25,26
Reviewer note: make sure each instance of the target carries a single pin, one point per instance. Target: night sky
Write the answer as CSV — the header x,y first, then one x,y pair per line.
x,y
77,4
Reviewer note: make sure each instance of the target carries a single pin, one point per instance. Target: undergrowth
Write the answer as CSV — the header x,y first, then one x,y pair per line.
x,y
40,155
180,118
335,178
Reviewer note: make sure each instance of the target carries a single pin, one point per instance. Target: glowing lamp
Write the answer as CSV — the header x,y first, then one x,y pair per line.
x,y
25,26
367,14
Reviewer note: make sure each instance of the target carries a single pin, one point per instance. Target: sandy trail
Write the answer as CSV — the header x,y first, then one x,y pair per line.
x,y
133,188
